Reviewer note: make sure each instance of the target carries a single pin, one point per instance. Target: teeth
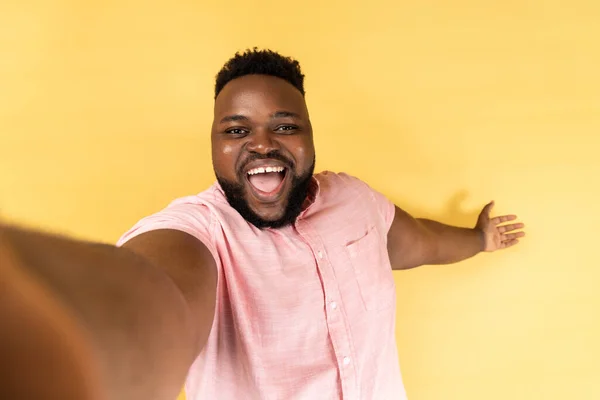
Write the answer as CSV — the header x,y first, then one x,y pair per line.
x,y
261,170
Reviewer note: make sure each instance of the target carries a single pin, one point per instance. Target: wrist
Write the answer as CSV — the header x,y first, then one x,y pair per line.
x,y
480,237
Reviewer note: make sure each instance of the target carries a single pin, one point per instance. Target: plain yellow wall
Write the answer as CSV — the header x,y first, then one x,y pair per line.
x,y
105,109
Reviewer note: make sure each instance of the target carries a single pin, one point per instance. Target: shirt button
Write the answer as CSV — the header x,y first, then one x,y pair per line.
x,y
333,305
346,360
320,254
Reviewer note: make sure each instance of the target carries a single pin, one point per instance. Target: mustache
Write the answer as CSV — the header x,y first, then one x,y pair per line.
x,y
273,155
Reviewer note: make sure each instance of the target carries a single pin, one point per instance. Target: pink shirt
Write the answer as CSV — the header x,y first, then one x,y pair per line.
x,y
303,312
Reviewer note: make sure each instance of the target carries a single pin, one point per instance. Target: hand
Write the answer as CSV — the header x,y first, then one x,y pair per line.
x,y
496,236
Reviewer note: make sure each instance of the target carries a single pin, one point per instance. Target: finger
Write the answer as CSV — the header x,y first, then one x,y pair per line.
x,y
510,227
488,208
503,218
512,236
509,243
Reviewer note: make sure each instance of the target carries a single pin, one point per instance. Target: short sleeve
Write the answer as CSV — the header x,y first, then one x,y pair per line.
x,y
182,215
384,207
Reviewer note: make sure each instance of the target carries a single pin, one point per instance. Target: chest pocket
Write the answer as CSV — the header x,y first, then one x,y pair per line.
x,y
372,269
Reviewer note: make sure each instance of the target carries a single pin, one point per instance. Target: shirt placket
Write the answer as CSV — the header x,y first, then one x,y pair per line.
x,y
335,315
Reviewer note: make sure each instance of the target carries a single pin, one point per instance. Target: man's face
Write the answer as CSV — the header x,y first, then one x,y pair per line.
x,y
262,149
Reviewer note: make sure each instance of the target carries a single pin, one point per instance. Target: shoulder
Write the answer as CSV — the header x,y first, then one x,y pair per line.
x,y
194,214
339,180
343,183
347,188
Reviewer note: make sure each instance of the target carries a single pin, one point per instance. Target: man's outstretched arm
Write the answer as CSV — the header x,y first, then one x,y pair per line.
x,y
413,242
136,316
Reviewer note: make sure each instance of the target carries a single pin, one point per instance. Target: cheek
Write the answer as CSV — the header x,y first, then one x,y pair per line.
x,y
300,154
304,155
224,160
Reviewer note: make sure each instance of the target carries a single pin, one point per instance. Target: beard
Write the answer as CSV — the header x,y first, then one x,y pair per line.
x,y
235,194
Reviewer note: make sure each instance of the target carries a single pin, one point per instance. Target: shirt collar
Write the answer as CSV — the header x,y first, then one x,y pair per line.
x,y
314,189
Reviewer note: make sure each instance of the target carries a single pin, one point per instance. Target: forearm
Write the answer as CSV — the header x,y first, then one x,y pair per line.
x,y
451,244
134,318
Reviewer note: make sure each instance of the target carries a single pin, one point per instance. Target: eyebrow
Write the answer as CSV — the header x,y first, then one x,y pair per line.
x,y
234,118
277,114
284,114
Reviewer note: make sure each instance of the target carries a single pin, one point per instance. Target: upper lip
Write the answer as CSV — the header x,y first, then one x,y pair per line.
x,y
264,164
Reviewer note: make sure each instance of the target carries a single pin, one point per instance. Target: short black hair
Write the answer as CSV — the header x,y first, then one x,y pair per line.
x,y
260,62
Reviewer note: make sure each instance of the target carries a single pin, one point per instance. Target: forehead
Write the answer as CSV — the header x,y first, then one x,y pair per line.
x,y
259,94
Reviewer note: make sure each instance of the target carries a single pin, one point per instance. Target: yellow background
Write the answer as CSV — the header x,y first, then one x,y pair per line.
x,y
105,109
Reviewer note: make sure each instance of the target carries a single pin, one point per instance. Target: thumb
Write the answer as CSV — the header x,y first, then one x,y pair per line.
x,y
488,208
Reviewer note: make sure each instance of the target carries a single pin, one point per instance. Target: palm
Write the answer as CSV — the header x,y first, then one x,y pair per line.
x,y
497,236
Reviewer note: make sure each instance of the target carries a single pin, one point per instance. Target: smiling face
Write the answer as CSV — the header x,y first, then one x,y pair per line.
x,y
262,149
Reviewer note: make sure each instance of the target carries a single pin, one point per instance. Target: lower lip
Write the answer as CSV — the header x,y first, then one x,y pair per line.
x,y
268,196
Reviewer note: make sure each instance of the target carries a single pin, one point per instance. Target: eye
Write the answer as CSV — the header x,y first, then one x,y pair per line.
x,y
236,131
286,128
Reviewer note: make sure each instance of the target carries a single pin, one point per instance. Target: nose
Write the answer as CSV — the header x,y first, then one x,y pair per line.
x,y
262,142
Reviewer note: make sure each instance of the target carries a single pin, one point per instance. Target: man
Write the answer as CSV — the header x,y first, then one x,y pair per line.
x,y
272,284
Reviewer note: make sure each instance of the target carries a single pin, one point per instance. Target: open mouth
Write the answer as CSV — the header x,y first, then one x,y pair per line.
x,y
267,181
